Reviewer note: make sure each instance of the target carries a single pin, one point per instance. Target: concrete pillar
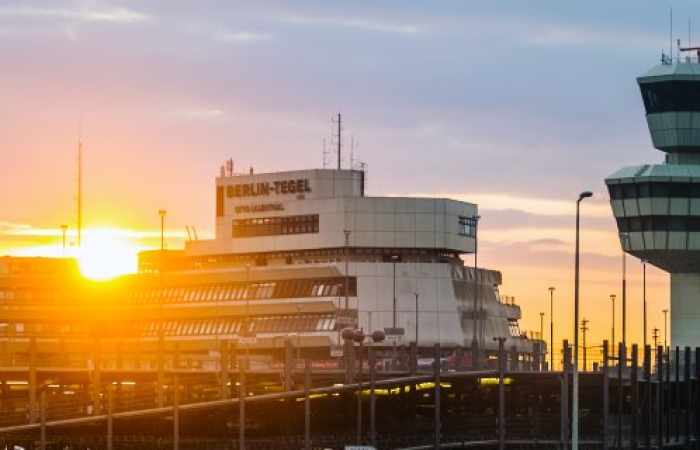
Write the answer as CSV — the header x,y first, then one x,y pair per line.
x,y
685,310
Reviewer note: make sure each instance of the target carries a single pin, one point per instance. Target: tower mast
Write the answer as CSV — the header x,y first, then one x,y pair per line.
x,y
339,138
80,191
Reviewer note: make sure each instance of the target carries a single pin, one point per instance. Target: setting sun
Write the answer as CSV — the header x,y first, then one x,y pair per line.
x,y
106,253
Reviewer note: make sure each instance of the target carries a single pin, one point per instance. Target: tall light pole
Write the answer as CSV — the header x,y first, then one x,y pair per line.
x,y
644,298
625,237
551,326
655,336
574,405
475,337
665,311
612,299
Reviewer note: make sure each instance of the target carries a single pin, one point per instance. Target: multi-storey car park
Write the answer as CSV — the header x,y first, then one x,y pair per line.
x,y
297,257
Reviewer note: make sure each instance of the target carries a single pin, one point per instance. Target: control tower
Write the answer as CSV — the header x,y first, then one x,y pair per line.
x,y
657,206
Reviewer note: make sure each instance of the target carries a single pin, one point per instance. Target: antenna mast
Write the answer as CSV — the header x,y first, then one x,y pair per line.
x,y
339,138
80,190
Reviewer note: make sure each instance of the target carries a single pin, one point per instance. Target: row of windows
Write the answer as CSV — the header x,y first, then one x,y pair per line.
x,y
273,226
467,226
242,326
658,223
665,96
295,288
659,189
239,326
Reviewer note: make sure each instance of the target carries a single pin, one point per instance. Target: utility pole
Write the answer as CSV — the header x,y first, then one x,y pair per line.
x,y
655,336
551,326
644,300
584,328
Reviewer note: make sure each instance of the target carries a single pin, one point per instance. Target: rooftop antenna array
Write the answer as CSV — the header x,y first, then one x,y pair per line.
x,y
325,153
338,136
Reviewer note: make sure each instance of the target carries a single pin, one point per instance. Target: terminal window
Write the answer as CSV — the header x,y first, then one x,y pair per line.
x,y
467,226
274,226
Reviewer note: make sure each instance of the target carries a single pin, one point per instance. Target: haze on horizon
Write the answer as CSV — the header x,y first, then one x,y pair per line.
x,y
512,105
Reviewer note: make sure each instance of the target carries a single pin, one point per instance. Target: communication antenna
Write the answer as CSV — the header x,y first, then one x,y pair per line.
x,y
339,136
79,199
670,35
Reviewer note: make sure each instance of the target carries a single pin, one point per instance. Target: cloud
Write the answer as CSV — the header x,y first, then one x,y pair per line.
x,y
84,14
363,24
241,37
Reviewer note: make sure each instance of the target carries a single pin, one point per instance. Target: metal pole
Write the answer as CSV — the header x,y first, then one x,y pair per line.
x,y
436,375
644,298
584,329
606,394
688,394
307,405
64,229
574,406
110,419
501,395
621,363
551,326
634,384
347,267
176,413
659,396
624,290
665,311
677,397
647,405
394,295
614,343
242,366
359,395
372,398
564,412
475,321
42,417
542,326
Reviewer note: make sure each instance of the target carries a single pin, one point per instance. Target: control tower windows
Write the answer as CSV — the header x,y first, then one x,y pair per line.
x,y
658,223
667,96
467,226
273,226
658,189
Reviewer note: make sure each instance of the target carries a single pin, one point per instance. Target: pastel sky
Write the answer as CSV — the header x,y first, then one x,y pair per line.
x,y
515,105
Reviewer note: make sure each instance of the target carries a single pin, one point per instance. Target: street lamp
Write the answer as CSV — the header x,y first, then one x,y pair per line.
x,y
574,406
665,311
625,237
551,325
584,328
644,298
612,298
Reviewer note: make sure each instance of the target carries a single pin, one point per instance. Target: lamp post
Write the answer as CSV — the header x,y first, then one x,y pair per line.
x,y
655,336
574,406
626,239
612,299
665,311
644,299
551,326
475,337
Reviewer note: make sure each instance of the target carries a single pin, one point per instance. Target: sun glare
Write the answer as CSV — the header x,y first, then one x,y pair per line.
x,y
106,254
